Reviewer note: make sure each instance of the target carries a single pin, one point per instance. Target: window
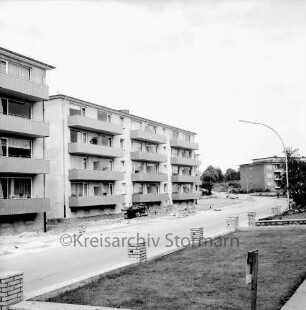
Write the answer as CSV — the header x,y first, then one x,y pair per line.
x,y
3,66
138,167
122,144
19,71
175,188
186,154
83,111
164,130
14,147
103,116
84,162
174,152
151,148
79,189
153,188
104,165
73,136
175,134
15,188
84,137
186,170
137,146
165,188
74,110
122,165
187,137
123,189
186,188
175,170
150,128
15,107
122,121
152,168
137,188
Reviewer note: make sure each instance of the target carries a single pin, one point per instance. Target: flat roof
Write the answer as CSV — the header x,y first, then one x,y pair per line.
x,y
26,58
120,112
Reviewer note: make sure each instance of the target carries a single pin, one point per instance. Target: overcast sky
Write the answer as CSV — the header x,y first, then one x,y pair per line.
x,y
199,65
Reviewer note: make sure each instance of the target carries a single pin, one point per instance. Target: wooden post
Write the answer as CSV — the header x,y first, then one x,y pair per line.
x,y
252,272
45,222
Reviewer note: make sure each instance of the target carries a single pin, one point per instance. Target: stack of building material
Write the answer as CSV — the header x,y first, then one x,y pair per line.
x,y
196,234
251,218
232,223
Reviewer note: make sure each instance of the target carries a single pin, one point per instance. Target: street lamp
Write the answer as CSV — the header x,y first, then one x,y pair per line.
x,y
285,150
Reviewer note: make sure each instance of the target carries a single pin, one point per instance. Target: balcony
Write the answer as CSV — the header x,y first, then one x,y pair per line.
x,y
149,197
95,175
85,123
23,206
94,149
94,201
149,177
184,161
151,157
185,196
22,88
185,179
148,136
177,143
23,126
24,165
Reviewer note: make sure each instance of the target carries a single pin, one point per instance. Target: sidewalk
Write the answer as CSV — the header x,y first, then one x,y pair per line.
x,y
298,300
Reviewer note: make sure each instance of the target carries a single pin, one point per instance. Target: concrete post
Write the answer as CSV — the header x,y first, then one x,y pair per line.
x,y
251,218
196,234
232,223
137,252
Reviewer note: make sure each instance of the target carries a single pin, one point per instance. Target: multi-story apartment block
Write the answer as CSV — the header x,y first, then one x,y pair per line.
x,y
23,129
105,159
262,174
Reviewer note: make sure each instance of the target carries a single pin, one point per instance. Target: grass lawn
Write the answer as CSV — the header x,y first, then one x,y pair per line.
x,y
205,277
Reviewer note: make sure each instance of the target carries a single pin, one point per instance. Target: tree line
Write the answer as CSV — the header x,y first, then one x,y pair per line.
x,y
215,175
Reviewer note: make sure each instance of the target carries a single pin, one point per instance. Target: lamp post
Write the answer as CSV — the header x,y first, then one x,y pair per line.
x,y
285,150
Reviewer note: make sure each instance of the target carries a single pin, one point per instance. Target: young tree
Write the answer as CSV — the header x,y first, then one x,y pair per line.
x,y
297,177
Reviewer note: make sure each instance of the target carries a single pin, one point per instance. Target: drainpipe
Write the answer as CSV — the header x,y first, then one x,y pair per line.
x,y
64,164
44,175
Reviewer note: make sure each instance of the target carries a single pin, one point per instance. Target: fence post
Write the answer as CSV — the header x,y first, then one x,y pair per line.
x,y
251,218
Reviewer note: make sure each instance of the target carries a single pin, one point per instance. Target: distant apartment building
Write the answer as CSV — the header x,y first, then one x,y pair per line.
x,y
262,174
104,159
23,165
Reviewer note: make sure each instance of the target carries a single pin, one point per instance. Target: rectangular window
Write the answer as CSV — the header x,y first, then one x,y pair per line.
x,y
122,121
19,71
123,189
185,170
105,117
138,167
13,188
137,188
79,189
153,188
122,144
152,168
137,146
175,134
186,188
165,188
175,188
151,148
3,66
175,170
84,163
14,147
21,109
83,111
150,128
74,110
104,165
174,152
74,135
122,166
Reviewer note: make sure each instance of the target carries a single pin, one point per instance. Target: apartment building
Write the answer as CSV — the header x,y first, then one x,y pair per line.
x,y
262,174
23,129
105,159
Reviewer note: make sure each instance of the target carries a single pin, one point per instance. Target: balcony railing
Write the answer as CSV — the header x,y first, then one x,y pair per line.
x,y
95,175
95,201
94,149
185,161
27,127
24,165
180,178
149,177
185,196
23,88
149,197
23,206
151,157
177,143
142,135
77,121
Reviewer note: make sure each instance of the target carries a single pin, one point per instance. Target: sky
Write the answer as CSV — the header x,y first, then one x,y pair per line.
x,y
198,65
